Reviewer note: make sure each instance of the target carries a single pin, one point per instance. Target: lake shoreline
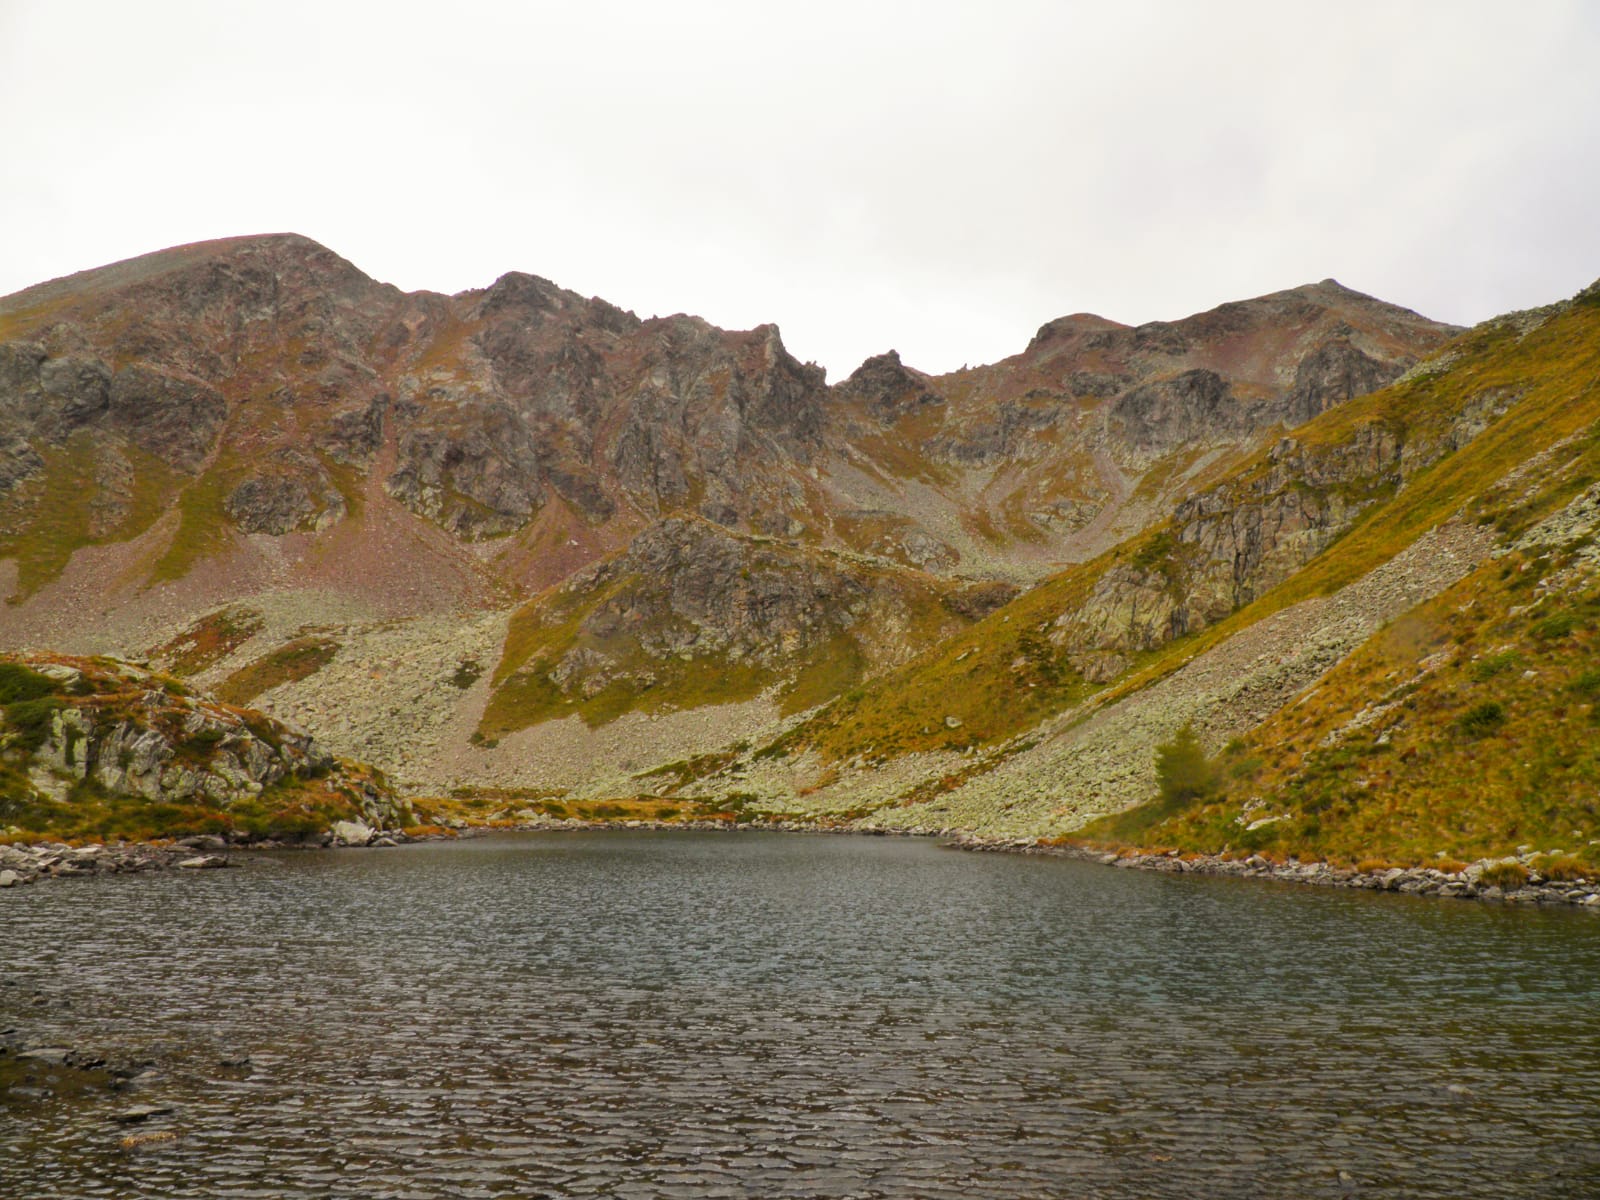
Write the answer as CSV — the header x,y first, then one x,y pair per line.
x,y
1417,881
26,863
23,863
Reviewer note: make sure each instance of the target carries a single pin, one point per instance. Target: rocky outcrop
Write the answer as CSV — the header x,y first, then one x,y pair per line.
x,y
475,475
173,417
77,732
1006,431
713,415
1229,544
52,397
294,492
690,600
1156,418
1141,393
686,587
888,389
1334,372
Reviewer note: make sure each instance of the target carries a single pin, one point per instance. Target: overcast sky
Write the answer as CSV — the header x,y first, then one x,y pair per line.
x,y
938,178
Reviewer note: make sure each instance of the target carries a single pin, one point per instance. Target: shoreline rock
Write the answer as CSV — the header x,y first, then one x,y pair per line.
x,y
25,863
1414,881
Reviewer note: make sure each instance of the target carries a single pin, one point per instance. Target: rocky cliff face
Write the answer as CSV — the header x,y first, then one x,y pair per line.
x,y
1229,544
691,613
268,387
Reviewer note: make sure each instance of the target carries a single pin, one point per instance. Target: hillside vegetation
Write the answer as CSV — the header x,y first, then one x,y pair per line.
x,y
1494,436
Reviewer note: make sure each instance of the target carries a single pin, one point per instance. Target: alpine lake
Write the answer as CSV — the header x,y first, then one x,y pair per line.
x,y
644,1014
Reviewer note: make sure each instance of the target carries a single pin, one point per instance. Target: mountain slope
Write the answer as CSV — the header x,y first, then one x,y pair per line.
x,y
256,426
1249,593
517,538
271,389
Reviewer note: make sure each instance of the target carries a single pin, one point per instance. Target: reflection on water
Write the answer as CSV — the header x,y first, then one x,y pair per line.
x,y
768,1015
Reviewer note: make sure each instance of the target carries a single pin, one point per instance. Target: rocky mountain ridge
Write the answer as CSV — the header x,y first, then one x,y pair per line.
x,y
256,416
282,391
520,542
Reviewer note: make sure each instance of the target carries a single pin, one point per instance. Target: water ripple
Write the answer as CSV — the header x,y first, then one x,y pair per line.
x,y
698,1016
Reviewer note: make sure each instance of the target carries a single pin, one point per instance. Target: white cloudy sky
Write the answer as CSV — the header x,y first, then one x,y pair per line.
x,y
937,177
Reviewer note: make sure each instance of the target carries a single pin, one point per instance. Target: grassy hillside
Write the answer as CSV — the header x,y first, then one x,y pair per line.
x,y
91,493
1469,728
1499,430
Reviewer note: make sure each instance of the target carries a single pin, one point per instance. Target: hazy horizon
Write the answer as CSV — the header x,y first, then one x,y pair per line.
x,y
941,183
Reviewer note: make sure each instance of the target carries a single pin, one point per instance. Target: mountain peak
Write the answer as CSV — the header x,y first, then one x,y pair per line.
x,y
281,254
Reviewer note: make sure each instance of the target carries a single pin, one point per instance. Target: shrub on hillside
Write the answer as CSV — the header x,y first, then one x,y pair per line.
x,y
18,683
1558,625
1495,664
31,721
1561,868
1483,719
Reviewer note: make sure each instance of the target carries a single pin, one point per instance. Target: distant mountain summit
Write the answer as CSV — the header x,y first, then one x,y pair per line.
x,y
266,387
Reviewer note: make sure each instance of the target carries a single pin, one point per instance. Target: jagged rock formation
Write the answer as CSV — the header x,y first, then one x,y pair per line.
x,y
267,387
1387,615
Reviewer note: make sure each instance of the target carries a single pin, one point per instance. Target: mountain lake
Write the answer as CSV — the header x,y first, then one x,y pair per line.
x,y
643,1014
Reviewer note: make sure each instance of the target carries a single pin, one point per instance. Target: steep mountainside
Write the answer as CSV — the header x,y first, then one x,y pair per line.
x,y
255,426
270,388
1390,609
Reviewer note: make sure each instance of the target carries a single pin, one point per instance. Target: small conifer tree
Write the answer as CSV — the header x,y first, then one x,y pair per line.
x,y
1183,770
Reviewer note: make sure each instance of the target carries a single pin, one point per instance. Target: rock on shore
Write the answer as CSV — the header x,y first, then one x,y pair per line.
x,y
23,864
1478,881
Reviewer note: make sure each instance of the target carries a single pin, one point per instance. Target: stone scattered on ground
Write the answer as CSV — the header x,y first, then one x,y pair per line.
x,y
204,862
22,863
142,1112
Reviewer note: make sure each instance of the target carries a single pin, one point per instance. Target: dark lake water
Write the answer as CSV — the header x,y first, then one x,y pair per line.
x,y
699,1015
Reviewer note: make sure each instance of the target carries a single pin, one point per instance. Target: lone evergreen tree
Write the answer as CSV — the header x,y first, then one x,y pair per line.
x,y
1183,770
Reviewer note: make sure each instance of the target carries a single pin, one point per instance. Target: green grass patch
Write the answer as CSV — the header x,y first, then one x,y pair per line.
x,y
203,526
30,721
289,663
1492,665
19,683
52,516
1482,719
826,672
